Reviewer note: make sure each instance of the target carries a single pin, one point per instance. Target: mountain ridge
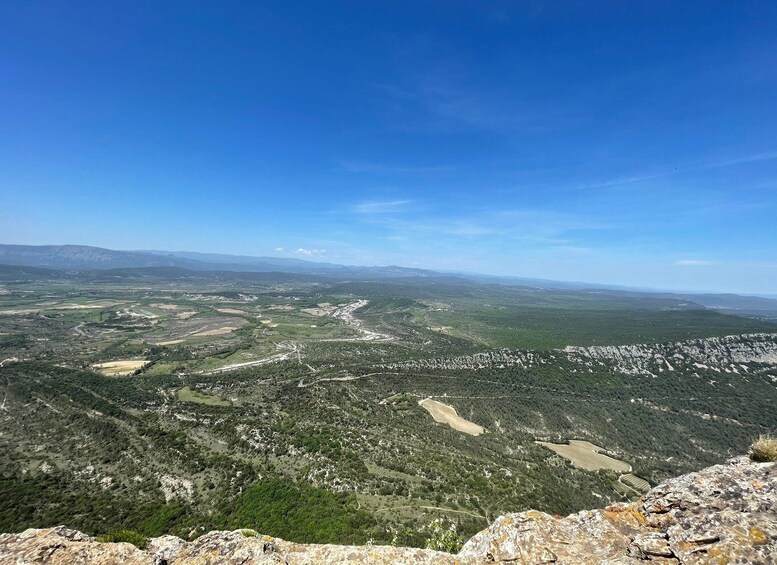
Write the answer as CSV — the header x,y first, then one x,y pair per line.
x,y
88,258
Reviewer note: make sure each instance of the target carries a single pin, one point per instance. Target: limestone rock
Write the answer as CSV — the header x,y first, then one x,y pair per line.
x,y
60,546
723,514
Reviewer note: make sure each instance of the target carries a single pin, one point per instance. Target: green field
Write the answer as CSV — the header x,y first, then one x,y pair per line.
x,y
186,394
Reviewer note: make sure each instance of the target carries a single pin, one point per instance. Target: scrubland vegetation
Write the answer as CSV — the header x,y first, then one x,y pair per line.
x,y
296,425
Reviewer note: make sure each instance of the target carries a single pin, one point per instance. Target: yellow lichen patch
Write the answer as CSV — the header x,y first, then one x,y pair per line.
x,y
626,515
716,555
757,536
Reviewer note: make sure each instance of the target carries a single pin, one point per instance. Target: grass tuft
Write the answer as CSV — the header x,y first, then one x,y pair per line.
x,y
764,449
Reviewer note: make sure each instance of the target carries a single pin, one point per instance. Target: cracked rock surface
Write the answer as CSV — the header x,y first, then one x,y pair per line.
x,y
722,514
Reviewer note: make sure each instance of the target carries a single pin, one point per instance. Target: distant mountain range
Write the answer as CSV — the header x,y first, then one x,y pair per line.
x,y
83,257
53,261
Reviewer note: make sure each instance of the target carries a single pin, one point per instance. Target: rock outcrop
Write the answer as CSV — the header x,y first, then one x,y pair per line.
x,y
61,546
723,514
729,354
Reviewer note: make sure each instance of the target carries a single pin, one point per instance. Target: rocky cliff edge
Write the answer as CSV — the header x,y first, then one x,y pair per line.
x,y
722,514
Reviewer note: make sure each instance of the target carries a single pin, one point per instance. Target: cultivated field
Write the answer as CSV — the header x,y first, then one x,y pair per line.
x,y
635,482
123,367
215,331
231,311
586,455
447,415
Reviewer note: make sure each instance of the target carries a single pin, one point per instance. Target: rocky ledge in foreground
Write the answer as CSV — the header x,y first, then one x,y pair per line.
x,y
723,514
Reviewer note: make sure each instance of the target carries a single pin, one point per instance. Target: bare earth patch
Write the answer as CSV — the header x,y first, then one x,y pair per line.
x,y
217,331
323,309
586,455
122,367
314,311
185,315
87,306
19,312
447,415
230,311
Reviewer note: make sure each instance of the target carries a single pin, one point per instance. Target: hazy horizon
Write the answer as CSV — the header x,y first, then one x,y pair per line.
x,y
456,272
627,145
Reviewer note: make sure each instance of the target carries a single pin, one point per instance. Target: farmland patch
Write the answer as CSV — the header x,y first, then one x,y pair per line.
x,y
447,415
121,367
586,455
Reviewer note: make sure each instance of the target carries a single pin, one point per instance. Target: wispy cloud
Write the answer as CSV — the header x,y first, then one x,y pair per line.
x,y
388,168
380,206
622,181
694,263
310,252
438,100
766,156
573,249
705,166
532,227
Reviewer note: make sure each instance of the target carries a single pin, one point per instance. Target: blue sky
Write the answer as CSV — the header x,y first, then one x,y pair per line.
x,y
616,142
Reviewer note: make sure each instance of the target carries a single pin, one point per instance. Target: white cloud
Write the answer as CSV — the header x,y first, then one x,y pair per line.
x,y
310,252
279,248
